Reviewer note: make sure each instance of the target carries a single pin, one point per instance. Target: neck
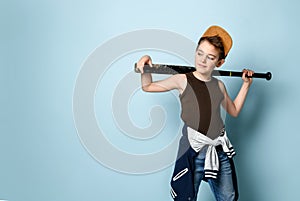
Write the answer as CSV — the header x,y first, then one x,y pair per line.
x,y
201,76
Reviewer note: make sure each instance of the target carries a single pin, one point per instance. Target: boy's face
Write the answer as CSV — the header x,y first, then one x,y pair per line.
x,y
207,58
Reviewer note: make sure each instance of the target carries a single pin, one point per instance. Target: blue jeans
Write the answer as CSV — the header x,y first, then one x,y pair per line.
x,y
223,187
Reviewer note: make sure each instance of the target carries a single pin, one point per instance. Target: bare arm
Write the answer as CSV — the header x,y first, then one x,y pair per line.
x,y
177,81
234,107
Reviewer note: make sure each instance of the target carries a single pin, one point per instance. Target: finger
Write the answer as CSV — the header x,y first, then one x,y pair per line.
x,y
150,62
244,74
250,73
141,66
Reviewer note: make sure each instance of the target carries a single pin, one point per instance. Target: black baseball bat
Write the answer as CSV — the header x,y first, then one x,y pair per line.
x,y
177,69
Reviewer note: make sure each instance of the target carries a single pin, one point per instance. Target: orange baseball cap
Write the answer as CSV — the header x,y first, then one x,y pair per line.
x,y
223,34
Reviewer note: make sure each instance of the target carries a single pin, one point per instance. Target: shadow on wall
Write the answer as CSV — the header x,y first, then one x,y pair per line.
x,y
241,130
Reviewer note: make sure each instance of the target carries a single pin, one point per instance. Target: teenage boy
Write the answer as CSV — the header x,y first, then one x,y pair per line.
x,y
205,152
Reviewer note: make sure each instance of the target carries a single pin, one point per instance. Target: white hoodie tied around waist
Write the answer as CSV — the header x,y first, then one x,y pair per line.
x,y
198,141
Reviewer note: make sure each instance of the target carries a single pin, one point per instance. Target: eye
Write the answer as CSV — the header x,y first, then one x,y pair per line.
x,y
211,58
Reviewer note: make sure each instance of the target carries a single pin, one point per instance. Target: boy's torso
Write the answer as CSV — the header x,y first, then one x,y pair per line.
x,y
200,104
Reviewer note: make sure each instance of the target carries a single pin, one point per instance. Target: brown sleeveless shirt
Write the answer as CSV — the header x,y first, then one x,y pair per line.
x,y
200,105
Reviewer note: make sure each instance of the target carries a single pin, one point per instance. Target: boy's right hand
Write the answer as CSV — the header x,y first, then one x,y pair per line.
x,y
141,63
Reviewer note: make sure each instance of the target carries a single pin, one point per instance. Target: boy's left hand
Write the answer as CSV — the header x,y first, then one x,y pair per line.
x,y
249,73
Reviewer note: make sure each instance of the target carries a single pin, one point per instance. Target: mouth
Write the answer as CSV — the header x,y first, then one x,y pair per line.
x,y
201,65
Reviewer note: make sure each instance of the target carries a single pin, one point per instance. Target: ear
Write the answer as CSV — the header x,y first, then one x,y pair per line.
x,y
220,63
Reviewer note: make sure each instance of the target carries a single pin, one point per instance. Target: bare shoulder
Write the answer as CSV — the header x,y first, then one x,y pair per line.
x,y
181,81
180,77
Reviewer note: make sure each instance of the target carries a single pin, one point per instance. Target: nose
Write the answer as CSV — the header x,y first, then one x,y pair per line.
x,y
203,59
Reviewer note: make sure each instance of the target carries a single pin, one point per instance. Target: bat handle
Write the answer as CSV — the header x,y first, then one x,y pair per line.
x,y
266,76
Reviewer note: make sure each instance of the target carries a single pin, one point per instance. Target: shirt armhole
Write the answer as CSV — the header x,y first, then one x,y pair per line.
x,y
184,85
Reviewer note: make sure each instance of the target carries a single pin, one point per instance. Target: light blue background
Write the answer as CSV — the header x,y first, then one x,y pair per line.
x,y
42,47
